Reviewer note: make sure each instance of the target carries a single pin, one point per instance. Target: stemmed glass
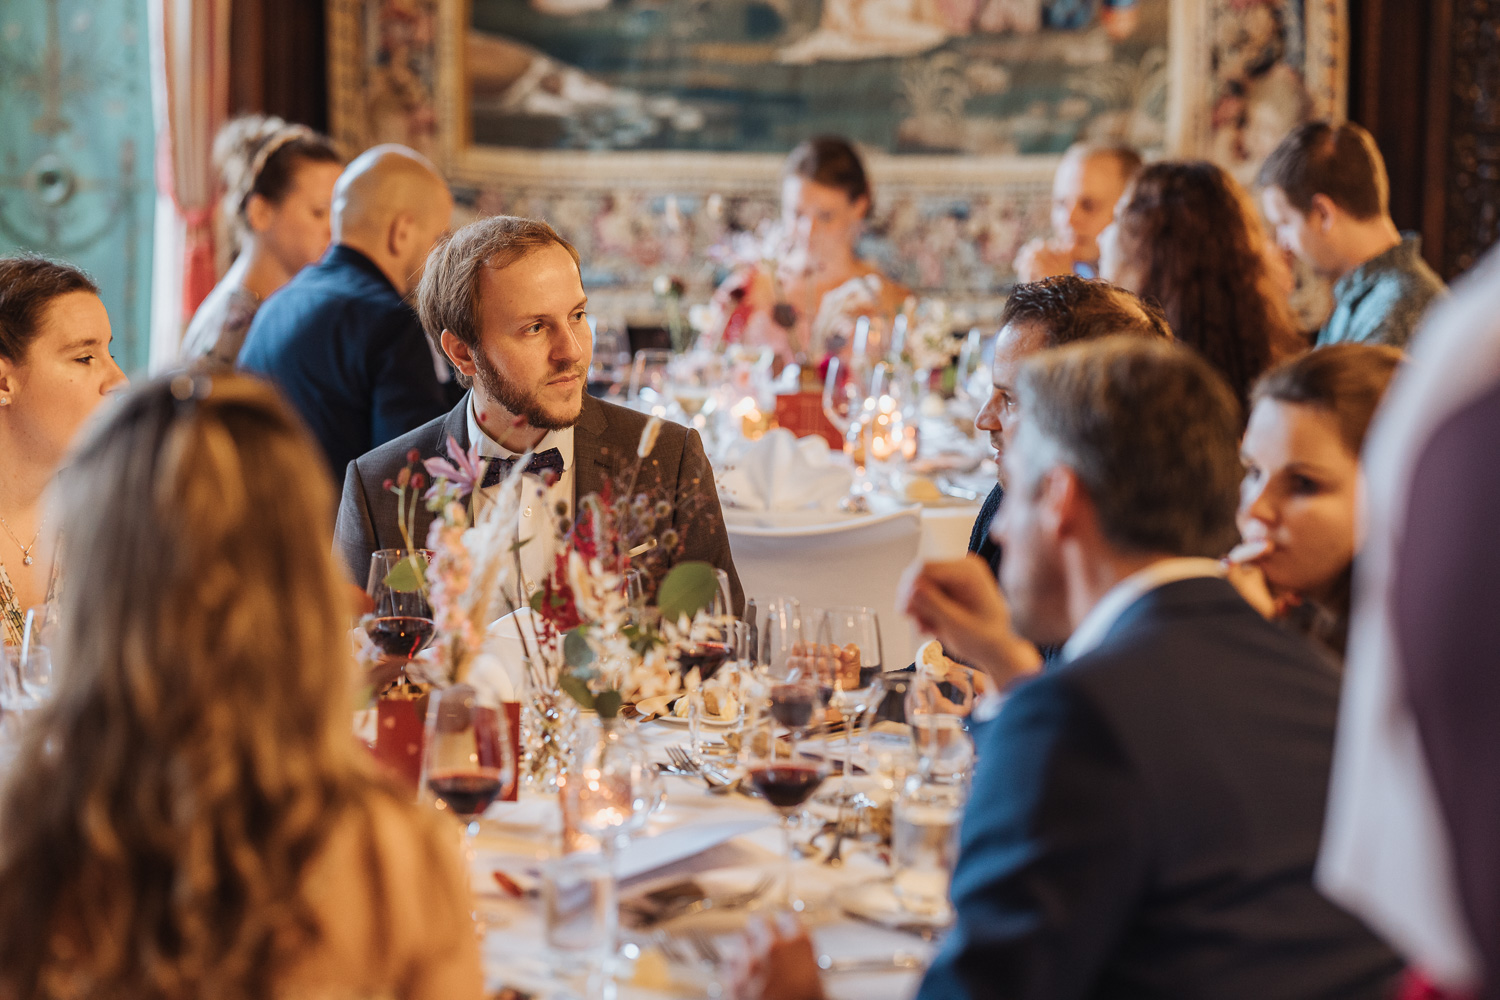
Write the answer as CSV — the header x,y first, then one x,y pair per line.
x,y
649,378
402,622
787,779
691,379
781,637
467,761
849,642
709,644
848,405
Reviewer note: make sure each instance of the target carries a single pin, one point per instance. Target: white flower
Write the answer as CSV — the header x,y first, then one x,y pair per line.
x,y
649,434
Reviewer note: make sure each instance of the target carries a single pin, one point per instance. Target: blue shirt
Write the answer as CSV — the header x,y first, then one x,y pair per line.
x,y
348,353
1383,300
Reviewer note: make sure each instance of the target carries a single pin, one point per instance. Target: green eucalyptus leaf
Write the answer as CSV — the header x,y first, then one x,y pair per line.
x,y
607,704
536,601
409,575
688,588
576,649
576,689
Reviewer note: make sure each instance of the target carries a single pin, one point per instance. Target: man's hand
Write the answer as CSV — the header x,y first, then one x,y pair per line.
x,y
1040,259
777,963
959,604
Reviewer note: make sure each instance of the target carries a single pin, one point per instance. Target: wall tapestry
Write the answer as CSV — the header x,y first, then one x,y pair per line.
x,y
649,131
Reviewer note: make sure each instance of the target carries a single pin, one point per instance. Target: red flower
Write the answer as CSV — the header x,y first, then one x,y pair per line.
x,y
414,456
389,484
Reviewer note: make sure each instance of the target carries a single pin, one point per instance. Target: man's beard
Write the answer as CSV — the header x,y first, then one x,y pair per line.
x,y
517,401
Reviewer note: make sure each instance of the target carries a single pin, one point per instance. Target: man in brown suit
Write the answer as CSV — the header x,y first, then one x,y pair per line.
x,y
504,298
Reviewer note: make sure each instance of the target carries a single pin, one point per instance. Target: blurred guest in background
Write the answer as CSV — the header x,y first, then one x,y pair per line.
x,y
1187,237
1326,195
55,369
1308,421
802,300
1146,813
340,340
188,815
1085,190
1037,316
278,191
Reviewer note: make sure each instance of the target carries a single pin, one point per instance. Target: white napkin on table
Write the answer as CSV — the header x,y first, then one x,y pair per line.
x,y
785,472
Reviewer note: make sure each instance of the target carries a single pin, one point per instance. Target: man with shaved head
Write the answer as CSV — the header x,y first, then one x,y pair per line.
x,y
339,339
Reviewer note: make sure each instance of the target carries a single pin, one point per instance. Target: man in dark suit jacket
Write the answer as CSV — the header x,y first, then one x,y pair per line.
x,y
1038,316
339,340
505,298
1146,814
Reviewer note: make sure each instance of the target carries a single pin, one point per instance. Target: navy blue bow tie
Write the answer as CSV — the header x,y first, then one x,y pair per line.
x,y
499,468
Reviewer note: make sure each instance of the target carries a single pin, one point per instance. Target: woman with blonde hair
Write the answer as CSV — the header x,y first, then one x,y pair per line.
x,y
278,193
189,816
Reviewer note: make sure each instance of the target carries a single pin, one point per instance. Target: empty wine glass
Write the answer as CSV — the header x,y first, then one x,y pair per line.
x,y
610,367
402,622
849,638
781,636
848,405
691,380
786,779
649,378
709,644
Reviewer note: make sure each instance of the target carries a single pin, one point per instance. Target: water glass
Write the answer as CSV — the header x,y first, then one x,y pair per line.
x,y
781,636
924,845
578,898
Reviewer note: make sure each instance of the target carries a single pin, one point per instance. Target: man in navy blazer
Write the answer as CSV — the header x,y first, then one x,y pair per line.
x,y
1146,812
339,340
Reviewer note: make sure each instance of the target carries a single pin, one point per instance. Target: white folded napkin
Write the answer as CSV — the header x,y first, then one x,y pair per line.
x,y
784,472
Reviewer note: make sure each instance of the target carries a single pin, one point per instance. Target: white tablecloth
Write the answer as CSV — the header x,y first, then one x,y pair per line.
x,y
515,952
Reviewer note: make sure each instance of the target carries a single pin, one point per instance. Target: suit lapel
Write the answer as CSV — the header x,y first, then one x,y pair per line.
x,y
592,464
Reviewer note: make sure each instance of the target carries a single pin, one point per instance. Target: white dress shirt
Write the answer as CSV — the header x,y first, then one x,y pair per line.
x,y
534,520
1108,609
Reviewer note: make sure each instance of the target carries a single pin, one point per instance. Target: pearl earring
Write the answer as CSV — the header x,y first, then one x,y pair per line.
x,y
4,400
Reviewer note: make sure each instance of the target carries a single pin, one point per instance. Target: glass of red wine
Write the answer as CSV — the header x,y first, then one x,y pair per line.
x,y
786,777
467,762
401,625
709,645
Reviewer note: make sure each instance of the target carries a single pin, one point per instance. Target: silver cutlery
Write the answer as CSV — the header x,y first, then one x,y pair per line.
x,y
893,963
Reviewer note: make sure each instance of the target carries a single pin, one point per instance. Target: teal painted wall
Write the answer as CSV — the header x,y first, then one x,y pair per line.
x,y
76,149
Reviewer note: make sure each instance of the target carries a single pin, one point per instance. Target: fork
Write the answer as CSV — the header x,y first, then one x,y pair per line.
x,y
716,780
704,946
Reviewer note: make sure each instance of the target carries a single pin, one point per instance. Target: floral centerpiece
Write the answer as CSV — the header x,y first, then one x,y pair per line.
x,y
581,638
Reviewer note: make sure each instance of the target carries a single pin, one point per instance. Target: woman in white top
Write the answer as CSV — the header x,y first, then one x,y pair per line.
x,y
278,190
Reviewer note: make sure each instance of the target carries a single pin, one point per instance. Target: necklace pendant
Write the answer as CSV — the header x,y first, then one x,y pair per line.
x,y
26,560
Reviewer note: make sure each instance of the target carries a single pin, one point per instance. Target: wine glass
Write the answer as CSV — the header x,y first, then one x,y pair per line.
x,y
847,403
709,644
781,637
691,380
467,761
402,622
786,779
648,377
611,362
849,640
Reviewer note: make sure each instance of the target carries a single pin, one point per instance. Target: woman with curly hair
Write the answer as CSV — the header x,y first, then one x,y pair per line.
x,y
189,816
278,193
1186,236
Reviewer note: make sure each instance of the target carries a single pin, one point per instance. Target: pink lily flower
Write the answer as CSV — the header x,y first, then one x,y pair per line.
x,y
463,473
